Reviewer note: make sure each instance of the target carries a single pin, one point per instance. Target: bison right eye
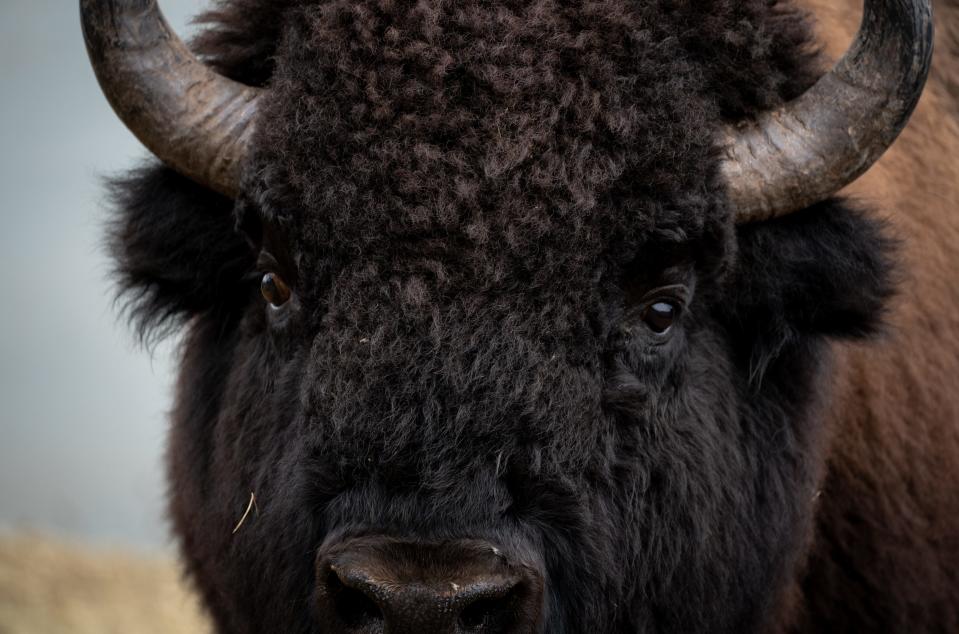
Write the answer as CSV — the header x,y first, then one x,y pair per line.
x,y
660,315
275,290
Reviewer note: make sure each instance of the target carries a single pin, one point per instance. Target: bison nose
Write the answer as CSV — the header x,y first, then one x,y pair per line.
x,y
383,586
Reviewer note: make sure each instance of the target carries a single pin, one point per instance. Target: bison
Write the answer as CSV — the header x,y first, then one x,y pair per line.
x,y
507,316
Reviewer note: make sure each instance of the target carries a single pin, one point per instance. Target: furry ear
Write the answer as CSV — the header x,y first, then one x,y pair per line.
x,y
824,271
176,251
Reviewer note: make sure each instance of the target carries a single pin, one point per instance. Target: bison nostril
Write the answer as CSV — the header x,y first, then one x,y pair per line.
x,y
491,614
354,608
481,615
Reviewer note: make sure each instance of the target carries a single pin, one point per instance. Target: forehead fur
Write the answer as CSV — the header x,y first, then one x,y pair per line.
x,y
554,138
513,124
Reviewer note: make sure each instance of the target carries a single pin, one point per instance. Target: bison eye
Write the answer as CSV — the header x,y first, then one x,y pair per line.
x,y
275,290
660,315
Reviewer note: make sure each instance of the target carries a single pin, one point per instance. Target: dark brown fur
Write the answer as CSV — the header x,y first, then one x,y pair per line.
x,y
886,557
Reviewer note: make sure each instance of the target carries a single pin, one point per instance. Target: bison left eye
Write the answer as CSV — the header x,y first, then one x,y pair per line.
x,y
661,315
275,290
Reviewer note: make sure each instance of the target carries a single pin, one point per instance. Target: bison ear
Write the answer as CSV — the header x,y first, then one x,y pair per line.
x,y
175,248
823,271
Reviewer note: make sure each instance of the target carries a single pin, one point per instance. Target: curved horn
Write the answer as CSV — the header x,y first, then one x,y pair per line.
x,y
812,147
195,120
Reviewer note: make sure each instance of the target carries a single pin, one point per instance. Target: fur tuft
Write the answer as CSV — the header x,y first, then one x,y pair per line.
x,y
175,250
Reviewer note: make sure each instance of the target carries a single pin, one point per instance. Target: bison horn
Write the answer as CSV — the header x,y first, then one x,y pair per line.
x,y
812,147
197,121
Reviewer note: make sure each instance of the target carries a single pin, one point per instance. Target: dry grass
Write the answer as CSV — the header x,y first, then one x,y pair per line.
x,y
48,587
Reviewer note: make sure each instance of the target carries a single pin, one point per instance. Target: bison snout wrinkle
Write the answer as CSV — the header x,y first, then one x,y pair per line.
x,y
380,585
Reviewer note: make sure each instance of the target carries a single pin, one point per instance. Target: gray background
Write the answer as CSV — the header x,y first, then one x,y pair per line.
x,y
82,406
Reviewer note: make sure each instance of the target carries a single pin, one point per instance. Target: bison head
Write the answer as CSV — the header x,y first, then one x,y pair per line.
x,y
495,307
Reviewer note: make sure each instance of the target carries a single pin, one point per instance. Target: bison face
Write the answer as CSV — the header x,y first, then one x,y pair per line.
x,y
640,445
635,431
482,338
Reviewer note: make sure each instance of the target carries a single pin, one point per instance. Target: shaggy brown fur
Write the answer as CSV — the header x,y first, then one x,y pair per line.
x,y
470,200
887,548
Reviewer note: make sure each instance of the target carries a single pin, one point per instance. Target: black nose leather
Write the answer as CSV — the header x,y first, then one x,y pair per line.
x,y
385,586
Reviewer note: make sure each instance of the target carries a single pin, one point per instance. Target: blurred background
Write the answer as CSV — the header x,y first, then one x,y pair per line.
x,y
82,405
